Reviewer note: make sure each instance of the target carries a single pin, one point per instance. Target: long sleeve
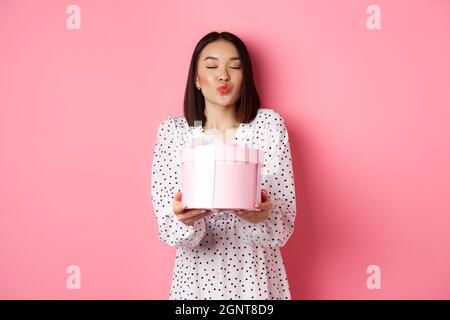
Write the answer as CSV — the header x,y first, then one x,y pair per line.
x,y
278,180
166,172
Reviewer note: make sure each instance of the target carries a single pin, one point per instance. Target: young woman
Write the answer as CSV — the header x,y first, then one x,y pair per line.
x,y
225,254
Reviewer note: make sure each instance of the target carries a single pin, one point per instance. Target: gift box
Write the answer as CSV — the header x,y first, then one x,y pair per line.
x,y
220,175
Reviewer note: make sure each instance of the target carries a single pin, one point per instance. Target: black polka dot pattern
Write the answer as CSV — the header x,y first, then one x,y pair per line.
x,y
223,256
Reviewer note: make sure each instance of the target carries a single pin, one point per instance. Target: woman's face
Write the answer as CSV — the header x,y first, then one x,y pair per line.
x,y
219,64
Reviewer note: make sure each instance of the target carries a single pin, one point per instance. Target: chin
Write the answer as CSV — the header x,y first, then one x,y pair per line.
x,y
226,101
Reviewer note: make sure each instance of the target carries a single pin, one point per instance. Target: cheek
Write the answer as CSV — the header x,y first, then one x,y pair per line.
x,y
205,78
239,82
239,79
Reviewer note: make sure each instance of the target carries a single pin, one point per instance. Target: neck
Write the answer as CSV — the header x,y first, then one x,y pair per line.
x,y
220,117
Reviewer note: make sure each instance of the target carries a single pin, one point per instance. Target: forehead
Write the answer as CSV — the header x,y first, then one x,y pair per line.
x,y
222,50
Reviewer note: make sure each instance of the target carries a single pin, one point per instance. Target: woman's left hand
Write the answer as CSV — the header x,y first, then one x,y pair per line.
x,y
257,216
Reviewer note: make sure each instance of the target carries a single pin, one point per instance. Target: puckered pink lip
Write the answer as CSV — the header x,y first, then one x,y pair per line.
x,y
223,89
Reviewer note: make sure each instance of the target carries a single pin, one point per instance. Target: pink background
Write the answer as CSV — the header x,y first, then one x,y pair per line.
x,y
367,112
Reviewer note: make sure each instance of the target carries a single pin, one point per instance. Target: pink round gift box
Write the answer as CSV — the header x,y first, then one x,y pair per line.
x,y
221,176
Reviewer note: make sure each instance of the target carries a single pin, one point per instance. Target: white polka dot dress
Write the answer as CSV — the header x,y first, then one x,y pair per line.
x,y
223,256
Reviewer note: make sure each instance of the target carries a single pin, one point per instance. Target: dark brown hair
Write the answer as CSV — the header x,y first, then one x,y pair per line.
x,y
194,102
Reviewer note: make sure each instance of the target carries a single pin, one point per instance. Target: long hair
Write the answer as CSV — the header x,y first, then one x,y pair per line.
x,y
194,102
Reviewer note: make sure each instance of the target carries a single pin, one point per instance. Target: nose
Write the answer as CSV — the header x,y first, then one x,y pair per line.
x,y
224,76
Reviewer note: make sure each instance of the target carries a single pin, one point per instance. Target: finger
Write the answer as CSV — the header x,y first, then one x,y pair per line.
x,y
242,214
257,214
201,215
265,206
248,216
179,207
193,219
259,205
264,195
253,216
177,197
190,213
247,213
186,214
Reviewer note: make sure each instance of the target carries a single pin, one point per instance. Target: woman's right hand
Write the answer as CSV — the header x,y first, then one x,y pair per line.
x,y
187,216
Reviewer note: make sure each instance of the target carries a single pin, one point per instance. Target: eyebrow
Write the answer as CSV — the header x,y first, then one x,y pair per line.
x,y
215,58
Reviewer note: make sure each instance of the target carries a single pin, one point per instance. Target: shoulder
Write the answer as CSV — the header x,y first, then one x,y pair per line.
x,y
268,117
173,124
274,130
268,113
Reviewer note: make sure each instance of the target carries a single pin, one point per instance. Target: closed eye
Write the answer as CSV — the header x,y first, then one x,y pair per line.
x,y
216,67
